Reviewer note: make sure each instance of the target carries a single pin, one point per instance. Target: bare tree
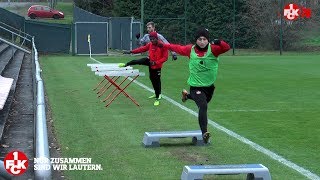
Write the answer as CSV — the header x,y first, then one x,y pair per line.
x,y
265,18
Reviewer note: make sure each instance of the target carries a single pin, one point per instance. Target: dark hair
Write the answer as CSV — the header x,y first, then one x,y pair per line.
x,y
151,23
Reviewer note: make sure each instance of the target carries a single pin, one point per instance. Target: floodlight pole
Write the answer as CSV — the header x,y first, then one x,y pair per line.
x,y
141,19
281,25
185,21
234,27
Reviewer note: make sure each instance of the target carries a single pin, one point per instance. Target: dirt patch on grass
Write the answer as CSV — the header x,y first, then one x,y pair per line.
x,y
190,157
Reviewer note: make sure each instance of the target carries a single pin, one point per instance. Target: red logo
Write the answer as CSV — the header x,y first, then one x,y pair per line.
x,y
293,12
16,163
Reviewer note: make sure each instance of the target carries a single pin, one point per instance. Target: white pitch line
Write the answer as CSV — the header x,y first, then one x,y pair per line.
x,y
255,146
95,60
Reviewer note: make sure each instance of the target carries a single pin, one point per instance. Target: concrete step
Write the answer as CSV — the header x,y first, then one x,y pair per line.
x,y
6,57
18,133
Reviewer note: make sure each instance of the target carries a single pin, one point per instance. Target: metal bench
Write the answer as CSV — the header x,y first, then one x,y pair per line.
x,y
5,86
151,139
253,171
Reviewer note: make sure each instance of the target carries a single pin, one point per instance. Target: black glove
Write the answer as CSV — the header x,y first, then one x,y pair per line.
x,y
126,52
138,35
174,57
152,63
216,42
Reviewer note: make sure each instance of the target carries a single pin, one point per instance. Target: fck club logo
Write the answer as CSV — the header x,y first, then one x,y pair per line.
x,y
294,11
16,163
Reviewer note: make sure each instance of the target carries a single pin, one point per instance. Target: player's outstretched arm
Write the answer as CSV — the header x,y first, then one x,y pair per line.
x,y
180,49
219,47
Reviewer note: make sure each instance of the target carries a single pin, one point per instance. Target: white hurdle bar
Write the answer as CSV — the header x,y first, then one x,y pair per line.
x,y
253,171
126,73
151,139
104,65
111,68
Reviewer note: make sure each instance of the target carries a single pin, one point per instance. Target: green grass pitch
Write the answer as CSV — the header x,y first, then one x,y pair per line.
x,y
271,100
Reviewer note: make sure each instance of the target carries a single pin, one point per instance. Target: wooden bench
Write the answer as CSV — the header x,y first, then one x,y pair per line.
x,y
5,86
253,171
152,139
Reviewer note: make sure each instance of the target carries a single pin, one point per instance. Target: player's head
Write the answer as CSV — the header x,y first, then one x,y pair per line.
x,y
150,27
153,37
202,37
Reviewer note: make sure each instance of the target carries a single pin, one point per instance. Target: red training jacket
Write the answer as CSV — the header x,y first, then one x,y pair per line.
x,y
156,54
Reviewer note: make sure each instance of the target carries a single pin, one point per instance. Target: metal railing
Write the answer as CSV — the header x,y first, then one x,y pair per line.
x,y
15,34
41,135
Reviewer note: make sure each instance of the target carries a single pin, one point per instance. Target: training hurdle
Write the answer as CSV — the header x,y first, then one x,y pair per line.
x,y
112,73
151,139
253,171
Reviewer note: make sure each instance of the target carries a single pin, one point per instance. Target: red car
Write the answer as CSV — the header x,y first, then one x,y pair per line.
x,y
44,12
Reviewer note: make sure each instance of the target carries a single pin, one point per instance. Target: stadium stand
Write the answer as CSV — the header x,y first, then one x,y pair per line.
x,y
16,102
